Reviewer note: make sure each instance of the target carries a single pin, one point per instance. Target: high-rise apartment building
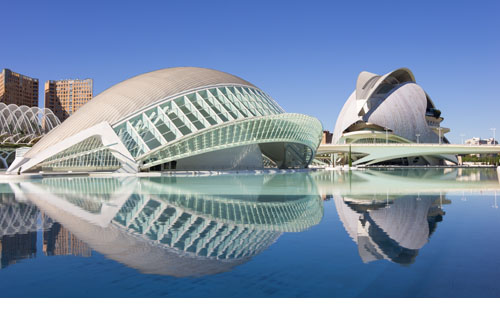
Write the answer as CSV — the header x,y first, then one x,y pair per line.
x,y
18,89
64,97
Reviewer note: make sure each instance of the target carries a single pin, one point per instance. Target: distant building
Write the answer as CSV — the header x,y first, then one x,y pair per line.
x,y
479,141
327,137
65,97
18,89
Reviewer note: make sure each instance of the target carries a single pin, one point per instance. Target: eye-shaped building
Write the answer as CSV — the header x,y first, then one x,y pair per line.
x,y
391,108
183,118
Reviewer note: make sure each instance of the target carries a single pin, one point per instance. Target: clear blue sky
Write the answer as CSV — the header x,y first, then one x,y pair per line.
x,y
306,55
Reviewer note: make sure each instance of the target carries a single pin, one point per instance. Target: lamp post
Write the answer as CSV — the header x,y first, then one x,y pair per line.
x,y
462,136
493,129
439,135
418,138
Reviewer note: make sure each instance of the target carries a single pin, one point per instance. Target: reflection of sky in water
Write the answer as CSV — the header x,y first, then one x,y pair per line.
x,y
378,233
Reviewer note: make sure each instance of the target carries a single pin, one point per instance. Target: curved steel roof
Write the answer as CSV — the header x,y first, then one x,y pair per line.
x,y
132,94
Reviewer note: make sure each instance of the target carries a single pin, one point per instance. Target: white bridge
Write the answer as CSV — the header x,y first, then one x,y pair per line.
x,y
382,152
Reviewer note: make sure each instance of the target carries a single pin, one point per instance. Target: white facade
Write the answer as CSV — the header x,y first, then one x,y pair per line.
x,y
157,120
390,109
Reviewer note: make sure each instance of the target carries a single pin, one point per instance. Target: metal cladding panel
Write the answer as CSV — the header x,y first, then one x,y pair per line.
x,y
348,115
366,81
403,112
133,94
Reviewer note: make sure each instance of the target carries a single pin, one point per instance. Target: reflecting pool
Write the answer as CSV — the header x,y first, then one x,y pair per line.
x,y
366,233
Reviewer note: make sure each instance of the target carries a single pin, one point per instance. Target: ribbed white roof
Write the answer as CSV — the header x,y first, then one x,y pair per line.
x,y
132,94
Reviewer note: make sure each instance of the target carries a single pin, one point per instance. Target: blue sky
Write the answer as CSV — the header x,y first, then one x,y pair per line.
x,y
306,54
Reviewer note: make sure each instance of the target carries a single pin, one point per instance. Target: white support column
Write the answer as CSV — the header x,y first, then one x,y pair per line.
x,y
228,103
208,108
177,110
220,106
243,108
151,127
165,119
251,99
243,98
269,100
135,136
257,98
191,107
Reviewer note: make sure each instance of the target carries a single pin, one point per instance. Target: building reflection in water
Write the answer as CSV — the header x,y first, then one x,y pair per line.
x,y
194,226
390,228
384,214
172,225
59,241
19,221
18,225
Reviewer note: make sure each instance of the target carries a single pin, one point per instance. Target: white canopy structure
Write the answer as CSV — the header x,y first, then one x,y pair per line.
x,y
22,126
25,125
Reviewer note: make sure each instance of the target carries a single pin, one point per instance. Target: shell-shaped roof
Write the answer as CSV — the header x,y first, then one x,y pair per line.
x,y
133,94
368,82
366,85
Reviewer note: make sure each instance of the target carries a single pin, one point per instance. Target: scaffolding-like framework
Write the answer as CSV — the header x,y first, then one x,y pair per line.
x,y
22,125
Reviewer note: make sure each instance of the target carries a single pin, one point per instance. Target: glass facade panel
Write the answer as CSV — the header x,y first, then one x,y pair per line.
x,y
169,121
300,134
205,224
89,154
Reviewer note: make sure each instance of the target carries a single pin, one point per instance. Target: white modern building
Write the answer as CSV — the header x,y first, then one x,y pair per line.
x,y
183,118
391,108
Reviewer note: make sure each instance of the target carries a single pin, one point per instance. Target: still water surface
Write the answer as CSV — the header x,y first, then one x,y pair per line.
x,y
374,233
